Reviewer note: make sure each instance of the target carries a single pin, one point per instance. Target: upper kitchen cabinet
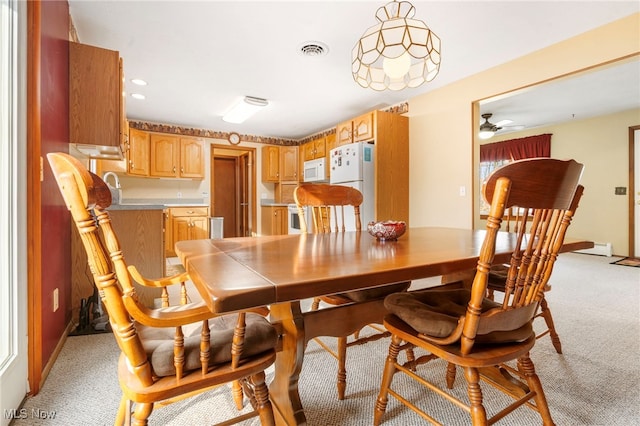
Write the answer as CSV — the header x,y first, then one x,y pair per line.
x,y
288,164
361,128
138,150
175,156
96,99
279,163
316,148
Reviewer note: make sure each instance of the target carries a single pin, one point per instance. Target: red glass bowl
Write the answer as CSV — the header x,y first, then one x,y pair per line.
x,y
388,230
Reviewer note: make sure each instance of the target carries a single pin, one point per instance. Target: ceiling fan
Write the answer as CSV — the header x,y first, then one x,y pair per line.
x,y
488,129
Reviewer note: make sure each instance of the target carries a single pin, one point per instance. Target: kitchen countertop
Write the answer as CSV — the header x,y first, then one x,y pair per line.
x,y
157,203
272,203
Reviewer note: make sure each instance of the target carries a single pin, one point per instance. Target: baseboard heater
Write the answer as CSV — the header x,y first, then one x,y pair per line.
x,y
599,249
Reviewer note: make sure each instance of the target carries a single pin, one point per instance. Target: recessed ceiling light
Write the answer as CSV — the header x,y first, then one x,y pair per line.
x,y
138,81
137,95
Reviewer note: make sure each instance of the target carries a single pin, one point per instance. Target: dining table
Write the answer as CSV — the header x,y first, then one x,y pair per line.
x,y
234,274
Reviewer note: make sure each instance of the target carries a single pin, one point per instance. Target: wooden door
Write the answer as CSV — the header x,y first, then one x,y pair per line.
x,y
225,193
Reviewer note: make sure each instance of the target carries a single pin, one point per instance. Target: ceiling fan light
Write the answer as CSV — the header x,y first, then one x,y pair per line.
x,y
486,134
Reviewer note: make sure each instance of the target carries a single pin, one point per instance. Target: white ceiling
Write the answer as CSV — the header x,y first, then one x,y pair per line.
x,y
200,56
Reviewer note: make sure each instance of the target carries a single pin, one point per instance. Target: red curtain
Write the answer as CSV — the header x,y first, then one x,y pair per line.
x,y
517,149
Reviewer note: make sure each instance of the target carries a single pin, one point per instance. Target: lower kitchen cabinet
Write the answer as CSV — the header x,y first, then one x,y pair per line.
x,y
186,223
140,233
275,220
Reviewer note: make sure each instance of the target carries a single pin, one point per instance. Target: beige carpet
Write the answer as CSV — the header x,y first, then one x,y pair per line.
x,y
595,382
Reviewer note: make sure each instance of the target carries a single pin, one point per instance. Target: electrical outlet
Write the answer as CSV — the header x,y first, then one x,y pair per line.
x,y
179,194
56,301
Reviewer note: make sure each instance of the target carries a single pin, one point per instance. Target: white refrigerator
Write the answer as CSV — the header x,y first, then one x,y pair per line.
x,y
352,165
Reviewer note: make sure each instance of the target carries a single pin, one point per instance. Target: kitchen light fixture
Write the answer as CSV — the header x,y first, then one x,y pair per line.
x,y
487,130
138,96
396,53
138,81
244,109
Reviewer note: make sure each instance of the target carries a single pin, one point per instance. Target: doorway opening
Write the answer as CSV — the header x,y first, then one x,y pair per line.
x,y
634,191
233,189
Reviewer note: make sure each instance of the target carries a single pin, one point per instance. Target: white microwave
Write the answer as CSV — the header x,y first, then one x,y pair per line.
x,y
315,170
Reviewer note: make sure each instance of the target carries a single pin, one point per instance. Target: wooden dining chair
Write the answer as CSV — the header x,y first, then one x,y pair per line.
x,y
463,327
329,205
172,352
497,281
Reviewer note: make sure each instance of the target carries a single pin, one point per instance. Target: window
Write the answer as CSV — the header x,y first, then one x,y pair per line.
x,y
495,155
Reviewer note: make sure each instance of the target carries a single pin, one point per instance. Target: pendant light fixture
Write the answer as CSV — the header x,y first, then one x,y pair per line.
x,y
396,53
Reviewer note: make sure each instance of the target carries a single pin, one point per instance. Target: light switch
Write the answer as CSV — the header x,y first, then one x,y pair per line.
x,y
463,191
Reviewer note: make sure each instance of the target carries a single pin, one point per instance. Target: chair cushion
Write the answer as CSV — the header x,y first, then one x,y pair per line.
x,y
436,313
260,336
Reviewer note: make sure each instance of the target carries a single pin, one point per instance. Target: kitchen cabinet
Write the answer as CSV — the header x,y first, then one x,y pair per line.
x,y
389,133
175,156
279,164
186,223
138,150
288,164
361,128
96,97
314,149
275,220
271,163
140,233
391,168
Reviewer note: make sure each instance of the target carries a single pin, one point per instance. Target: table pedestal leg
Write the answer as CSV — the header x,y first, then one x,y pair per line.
x,y
284,387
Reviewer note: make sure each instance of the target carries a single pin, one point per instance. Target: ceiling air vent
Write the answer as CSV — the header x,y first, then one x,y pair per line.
x,y
314,48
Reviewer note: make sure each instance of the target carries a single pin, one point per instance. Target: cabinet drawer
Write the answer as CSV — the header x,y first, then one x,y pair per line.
x,y
189,211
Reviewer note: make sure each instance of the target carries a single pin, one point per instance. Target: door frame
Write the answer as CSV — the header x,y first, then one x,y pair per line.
x,y
218,150
632,190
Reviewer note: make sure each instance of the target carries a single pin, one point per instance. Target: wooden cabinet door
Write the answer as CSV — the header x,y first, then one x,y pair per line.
x,y
330,143
280,221
308,151
363,127
95,98
181,228
275,220
199,228
165,155
192,158
320,148
344,133
138,153
271,163
289,164
168,235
